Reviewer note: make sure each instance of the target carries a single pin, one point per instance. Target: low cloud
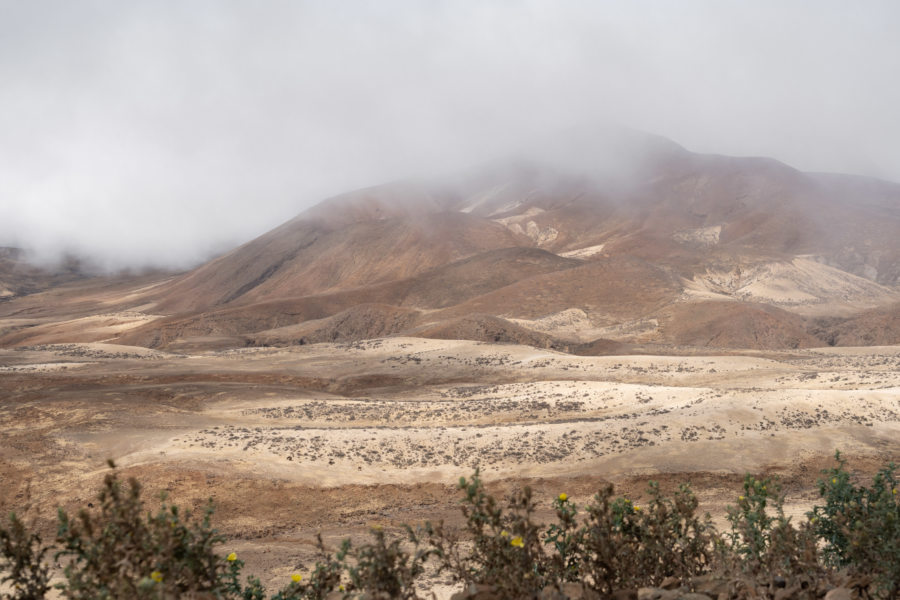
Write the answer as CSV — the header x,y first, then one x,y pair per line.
x,y
159,133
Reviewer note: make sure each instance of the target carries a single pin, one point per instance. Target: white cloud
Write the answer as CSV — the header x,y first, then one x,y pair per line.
x,y
157,132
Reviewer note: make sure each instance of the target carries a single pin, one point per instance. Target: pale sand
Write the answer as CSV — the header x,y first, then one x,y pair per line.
x,y
337,437
803,286
586,252
614,414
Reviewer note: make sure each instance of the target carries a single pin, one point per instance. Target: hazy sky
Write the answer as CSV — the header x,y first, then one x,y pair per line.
x,y
156,132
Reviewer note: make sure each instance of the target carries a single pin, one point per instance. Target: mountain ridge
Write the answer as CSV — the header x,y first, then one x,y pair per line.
x,y
632,232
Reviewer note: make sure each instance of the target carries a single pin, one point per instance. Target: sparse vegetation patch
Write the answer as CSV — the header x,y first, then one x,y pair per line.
x,y
609,547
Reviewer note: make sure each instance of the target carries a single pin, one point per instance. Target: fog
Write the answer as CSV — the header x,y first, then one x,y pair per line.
x,y
158,133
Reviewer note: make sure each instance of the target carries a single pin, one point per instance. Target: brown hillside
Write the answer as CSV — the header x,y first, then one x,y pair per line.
x,y
487,328
609,288
673,208
362,322
241,320
479,275
304,258
735,325
444,286
876,327
626,231
19,277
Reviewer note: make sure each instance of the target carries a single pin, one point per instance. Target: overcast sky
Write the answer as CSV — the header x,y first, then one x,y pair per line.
x,y
158,132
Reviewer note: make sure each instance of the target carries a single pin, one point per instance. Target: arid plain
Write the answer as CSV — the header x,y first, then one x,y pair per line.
x,y
340,437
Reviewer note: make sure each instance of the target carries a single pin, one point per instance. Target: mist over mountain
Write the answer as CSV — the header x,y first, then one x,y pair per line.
x,y
608,236
566,174
162,134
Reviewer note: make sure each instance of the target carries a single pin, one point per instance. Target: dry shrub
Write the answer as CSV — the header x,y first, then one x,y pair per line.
x,y
119,550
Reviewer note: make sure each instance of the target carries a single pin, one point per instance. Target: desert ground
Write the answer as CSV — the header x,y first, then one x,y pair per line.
x,y
338,437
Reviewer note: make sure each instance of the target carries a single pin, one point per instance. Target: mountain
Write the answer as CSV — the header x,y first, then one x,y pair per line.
x,y
20,277
602,237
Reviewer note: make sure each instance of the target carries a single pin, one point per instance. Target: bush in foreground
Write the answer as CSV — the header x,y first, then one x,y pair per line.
x,y
609,547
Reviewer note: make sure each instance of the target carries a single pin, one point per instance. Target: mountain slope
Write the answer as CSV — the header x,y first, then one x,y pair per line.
x,y
606,234
875,327
304,257
19,277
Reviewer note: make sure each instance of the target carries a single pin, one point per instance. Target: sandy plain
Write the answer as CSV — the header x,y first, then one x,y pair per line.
x,y
339,437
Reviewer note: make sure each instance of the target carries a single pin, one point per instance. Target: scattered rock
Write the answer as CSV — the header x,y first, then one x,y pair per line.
x,y
710,585
657,594
787,593
840,593
670,583
569,591
477,591
673,594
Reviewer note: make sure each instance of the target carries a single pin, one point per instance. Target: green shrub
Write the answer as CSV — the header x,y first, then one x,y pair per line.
x,y
765,547
860,526
121,550
383,569
118,550
567,540
611,538
22,561
504,547
325,578
628,545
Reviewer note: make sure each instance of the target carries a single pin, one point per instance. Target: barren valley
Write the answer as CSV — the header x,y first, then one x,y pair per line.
x,y
715,317
340,437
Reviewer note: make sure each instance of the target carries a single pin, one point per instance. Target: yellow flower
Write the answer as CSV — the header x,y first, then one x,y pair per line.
x,y
231,557
563,497
834,480
740,497
636,507
296,578
156,576
341,588
504,533
517,542
894,491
